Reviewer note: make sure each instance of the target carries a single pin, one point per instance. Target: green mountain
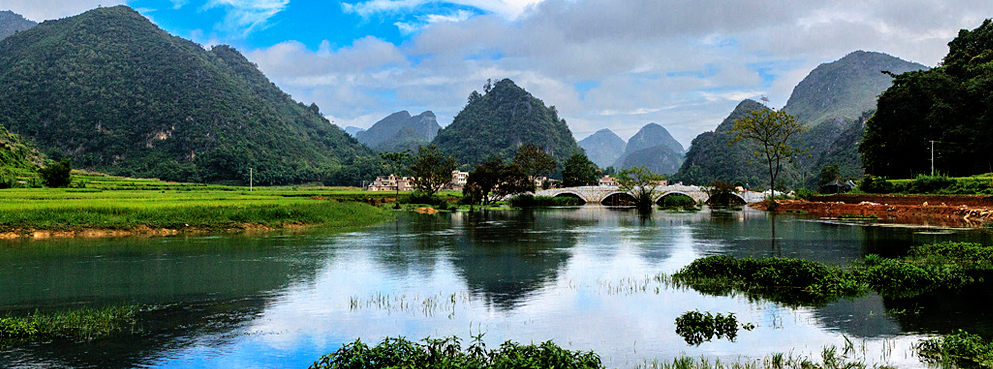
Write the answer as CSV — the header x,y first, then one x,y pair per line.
x,y
652,147
400,131
951,105
845,88
713,155
500,121
119,95
11,23
603,147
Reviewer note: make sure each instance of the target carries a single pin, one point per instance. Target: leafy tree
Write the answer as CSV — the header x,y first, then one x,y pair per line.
x,y
431,169
534,161
395,163
484,179
57,174
829,173
773,132
641,183
514,181
579,171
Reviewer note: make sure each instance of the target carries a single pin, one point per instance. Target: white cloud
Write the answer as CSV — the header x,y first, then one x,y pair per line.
x,y
41,10
246,16
684,64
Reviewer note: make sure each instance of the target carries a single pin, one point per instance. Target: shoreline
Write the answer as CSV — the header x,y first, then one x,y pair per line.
x,y
939,211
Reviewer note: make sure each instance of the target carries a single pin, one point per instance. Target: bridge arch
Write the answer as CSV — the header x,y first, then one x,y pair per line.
x,y
660,200
618,198
582,200
735,198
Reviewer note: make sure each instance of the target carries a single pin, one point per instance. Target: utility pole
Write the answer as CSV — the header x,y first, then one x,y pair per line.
x,y
932,157
250,179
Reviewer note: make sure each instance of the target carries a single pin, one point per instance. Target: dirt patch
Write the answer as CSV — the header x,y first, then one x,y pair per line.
x,y
144,231
941,211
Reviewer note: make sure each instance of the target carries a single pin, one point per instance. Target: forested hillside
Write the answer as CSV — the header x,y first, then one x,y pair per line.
x,y
16,155
951,105
117,94
713,156
498,122
652,147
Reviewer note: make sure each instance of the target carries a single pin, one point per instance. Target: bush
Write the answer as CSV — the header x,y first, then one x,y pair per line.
x,y
961,348
695,327
870,184
677,201
932,184
57,174
530,201
805,193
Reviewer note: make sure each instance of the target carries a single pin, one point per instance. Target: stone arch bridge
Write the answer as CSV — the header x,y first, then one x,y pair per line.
x,y
597,194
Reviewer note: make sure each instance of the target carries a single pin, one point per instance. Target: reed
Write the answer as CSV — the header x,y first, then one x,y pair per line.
x,y
79,324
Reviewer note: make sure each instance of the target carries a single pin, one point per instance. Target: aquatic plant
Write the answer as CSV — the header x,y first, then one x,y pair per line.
x,y
961,349
696,327
85,324
444,353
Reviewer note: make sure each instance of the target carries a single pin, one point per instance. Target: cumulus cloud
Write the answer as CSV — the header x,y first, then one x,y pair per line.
x,y
684,64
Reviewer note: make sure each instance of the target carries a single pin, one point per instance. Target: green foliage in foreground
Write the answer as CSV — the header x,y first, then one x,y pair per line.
x,y
445,353
944,266
925,184
961,349
85,324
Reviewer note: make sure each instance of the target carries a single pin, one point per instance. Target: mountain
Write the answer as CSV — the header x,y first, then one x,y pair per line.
x,y
845,88
603,147
11,23
500,121
713,155
400,131
117,94
352,130
650,137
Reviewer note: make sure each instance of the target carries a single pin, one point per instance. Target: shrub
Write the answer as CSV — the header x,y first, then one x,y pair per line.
x,y
961,349
530,201
870,184
932,184
695,327
805,193
57,174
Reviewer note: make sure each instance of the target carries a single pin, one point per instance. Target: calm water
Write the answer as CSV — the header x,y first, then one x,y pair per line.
x,y
581,277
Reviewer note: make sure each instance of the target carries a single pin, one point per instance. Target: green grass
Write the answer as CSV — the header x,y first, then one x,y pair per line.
x,y
960,349
80,324
114,203
830,359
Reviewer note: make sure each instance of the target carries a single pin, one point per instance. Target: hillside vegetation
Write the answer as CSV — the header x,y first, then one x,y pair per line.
x,y
117,94
11,23
951,105
498,122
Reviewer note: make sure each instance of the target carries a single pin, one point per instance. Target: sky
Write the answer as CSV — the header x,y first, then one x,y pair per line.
x,y
617,64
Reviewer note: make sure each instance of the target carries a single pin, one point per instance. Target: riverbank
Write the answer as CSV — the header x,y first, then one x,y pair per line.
x,y
115,207
933,210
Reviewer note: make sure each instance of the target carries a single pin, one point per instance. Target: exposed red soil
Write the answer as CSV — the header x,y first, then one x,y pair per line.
x,y
942,211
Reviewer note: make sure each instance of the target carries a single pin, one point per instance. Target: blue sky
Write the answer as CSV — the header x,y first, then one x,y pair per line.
x,y
617,64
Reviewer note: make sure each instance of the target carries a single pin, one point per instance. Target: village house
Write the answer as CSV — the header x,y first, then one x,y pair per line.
x,y
389,183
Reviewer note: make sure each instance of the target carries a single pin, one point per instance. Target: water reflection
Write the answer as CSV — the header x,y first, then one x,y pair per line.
x,y
523,276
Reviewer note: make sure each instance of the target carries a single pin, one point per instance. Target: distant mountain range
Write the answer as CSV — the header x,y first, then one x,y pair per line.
x,y
652,147
117,94
11,23
400,131
502,119
603,147
833,101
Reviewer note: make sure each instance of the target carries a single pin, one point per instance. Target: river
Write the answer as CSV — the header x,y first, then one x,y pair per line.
x,y
582,277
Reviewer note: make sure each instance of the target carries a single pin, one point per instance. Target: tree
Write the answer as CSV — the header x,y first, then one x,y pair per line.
x,y
395,163
534,161
579,171
57,174
431,170
641,183
774,133
514,181
828,174
484,179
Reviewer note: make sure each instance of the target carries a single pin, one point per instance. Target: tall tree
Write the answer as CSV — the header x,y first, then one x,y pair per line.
x,y
484,179
534,161
641,183
396,163
774,133
579,171
431,169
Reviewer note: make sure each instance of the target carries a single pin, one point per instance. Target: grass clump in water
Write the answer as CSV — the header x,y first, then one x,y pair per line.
x,y
446,353
696,327
80,324
830,359
960,349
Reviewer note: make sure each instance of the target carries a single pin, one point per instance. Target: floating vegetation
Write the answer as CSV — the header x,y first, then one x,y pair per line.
x,y
696,327
961,349
445,353
429,305
830,359
80,324
650,284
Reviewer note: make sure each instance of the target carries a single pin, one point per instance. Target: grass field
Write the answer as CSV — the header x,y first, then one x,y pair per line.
x,y
115,203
